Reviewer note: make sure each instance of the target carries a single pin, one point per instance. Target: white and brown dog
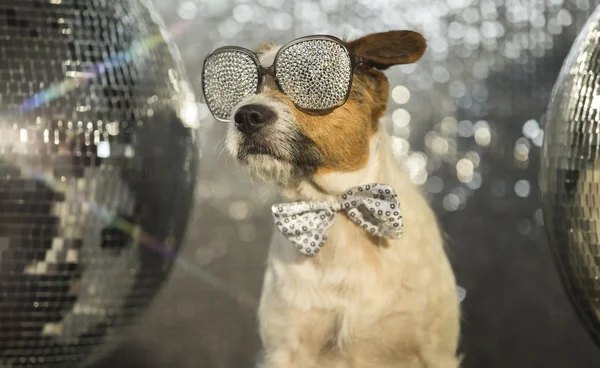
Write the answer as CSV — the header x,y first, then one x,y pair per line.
x,y
363,301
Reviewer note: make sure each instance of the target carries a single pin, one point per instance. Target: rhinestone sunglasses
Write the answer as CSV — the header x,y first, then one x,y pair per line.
x,y
315,72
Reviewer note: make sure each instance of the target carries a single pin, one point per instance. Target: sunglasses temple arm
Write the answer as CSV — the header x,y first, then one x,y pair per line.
x,y
358,60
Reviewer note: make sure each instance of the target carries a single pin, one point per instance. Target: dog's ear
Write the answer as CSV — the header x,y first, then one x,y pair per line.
x,y
385,49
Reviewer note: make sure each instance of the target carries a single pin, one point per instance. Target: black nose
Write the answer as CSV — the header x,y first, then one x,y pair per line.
x,y
250,118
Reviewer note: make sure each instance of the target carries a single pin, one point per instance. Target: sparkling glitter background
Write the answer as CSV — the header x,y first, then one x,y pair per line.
x,y
466,119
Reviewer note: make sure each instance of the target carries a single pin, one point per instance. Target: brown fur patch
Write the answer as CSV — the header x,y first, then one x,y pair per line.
x,y
375,85
342,136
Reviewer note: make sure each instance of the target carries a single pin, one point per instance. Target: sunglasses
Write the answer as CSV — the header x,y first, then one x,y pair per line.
x,y
315,72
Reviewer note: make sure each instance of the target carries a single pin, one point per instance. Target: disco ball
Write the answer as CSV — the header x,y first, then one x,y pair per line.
x,y
97,170
570,174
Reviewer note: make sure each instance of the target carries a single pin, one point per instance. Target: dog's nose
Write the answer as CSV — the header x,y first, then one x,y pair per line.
x,y
250,118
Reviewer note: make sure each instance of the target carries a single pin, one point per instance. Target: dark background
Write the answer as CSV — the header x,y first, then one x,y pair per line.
x,y
491,64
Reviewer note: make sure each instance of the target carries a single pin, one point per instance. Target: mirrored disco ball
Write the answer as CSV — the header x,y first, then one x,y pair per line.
x,y
570,174
97,170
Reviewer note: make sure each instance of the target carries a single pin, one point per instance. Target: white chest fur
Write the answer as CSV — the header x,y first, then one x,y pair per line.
x,y
351,270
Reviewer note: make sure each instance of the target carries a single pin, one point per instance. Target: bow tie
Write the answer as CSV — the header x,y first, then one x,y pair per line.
x,y
374,207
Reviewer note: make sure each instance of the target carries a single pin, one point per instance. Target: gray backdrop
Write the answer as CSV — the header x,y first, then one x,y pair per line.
x,y
466,117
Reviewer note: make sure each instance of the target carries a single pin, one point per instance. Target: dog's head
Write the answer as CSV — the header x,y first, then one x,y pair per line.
x,y
286,146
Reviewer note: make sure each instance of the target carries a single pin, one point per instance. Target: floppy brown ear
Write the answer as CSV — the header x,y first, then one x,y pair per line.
x,y
382,50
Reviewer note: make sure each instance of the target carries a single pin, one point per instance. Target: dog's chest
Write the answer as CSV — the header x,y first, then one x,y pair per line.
x,y
344,270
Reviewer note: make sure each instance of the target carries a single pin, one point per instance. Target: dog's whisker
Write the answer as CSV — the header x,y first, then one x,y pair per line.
x,y
217,145
220,153
267,193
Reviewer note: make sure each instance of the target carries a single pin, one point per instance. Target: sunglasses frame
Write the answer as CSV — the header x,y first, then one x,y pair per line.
x,y
271,71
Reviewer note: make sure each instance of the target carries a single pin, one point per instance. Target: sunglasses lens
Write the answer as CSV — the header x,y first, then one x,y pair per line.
x,y
228,77
315,74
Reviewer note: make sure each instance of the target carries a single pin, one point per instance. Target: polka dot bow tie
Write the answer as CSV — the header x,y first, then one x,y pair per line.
x,y
374,207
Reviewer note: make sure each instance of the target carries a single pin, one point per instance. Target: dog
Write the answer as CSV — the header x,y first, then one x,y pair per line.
x,y
360,301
